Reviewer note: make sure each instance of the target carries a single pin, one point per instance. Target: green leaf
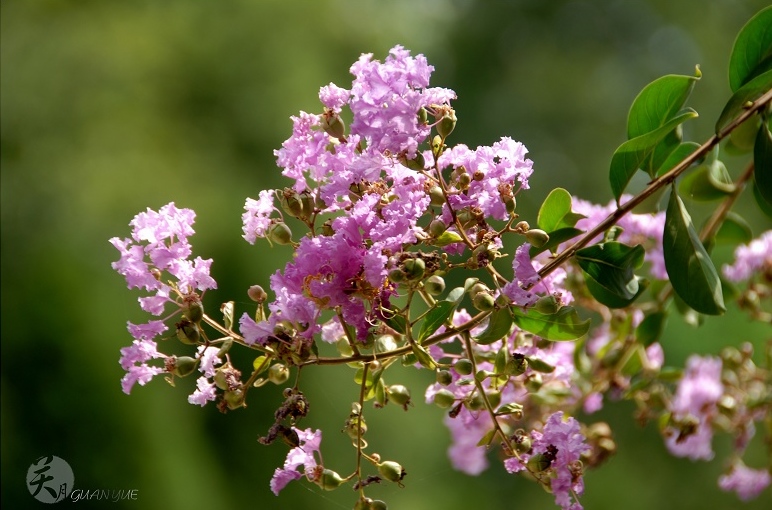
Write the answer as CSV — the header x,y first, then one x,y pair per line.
x,y
743,137
609,272
540,365
749,92
662,152
629,157
763,205
397,323
698,186
423,357
511,408
691,272
762,161
679,154
658,103
499,324
565,324
446,238
734,230
557,238
435,318
651,327
633,362
752,50
555,213
456,295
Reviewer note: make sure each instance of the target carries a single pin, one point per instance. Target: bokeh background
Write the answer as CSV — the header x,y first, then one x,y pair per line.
x,y
109,107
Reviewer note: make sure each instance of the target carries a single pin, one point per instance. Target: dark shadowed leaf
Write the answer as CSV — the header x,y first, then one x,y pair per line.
x,y
651,327
435,318
762,161
752,51
734,230
499,325
609,272
565,324
751,91
691,271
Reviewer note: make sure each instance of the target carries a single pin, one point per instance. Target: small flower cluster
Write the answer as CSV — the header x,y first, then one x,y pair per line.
x,y
390,209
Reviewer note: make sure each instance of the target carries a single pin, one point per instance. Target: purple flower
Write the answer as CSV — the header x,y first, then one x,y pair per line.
x,y
333,97
696,397
386,98
305,151
525,275
593,402
134,358
566,437
755,258
256,220
209,359
300,456
746,482
141,374
466,429
205,392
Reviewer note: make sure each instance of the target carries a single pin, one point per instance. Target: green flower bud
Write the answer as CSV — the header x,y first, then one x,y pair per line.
x,y
475,403
257,293
547,305
184,365
399,394
278,373
464,180
187,332
437,228
307,200
511,204
280,233
234,399
329,480
447,124
476,289
391,471
539,462
290,202
537,237
517,364
533,382
396,275
378,505
194,310
444,399
435,285
483,301
437,145
444,377
422,115
523,443
522,227
463,366
417,163
327,230
437,196
333,125
414,268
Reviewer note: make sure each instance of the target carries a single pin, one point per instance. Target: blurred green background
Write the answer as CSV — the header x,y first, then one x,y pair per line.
x,y
109,107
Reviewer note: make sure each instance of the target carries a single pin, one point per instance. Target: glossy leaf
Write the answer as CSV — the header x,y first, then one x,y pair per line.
x,y
499,324
752,51
557,238
749,92
609,271
734,230
763,205
681,152
565,324
691,271
446,238
658,102
698,186
630,156
435,318
397,323
743,137
662,152
555,213
762,161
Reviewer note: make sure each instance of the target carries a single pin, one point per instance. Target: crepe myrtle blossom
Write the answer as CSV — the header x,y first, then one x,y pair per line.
x,y
134,358
299,456
693,407
751,259
748,483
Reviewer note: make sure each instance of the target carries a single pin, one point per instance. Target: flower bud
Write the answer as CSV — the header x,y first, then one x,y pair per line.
x,y
537,237
437,228
539,462
391,471
257,293
444,399
414,268
534,382
483,301
280,233
399,394
234,399
422,115
194,310
475,403
278,373
510,203
447,124
187,332
327,230
307,200
437,196
435,285
463,366
437,145
417,163
517,364
464,180
385,343
476,289
333,125
290,202
522,227
523,443
444,377
329,480
494,398
396,275
184,365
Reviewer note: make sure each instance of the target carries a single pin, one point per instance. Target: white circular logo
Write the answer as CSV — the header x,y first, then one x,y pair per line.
x,y
50,479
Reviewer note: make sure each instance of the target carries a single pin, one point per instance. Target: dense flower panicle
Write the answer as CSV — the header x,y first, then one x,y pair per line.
x,y
299,456
645,229
386,98
697,394
751,259
748,483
